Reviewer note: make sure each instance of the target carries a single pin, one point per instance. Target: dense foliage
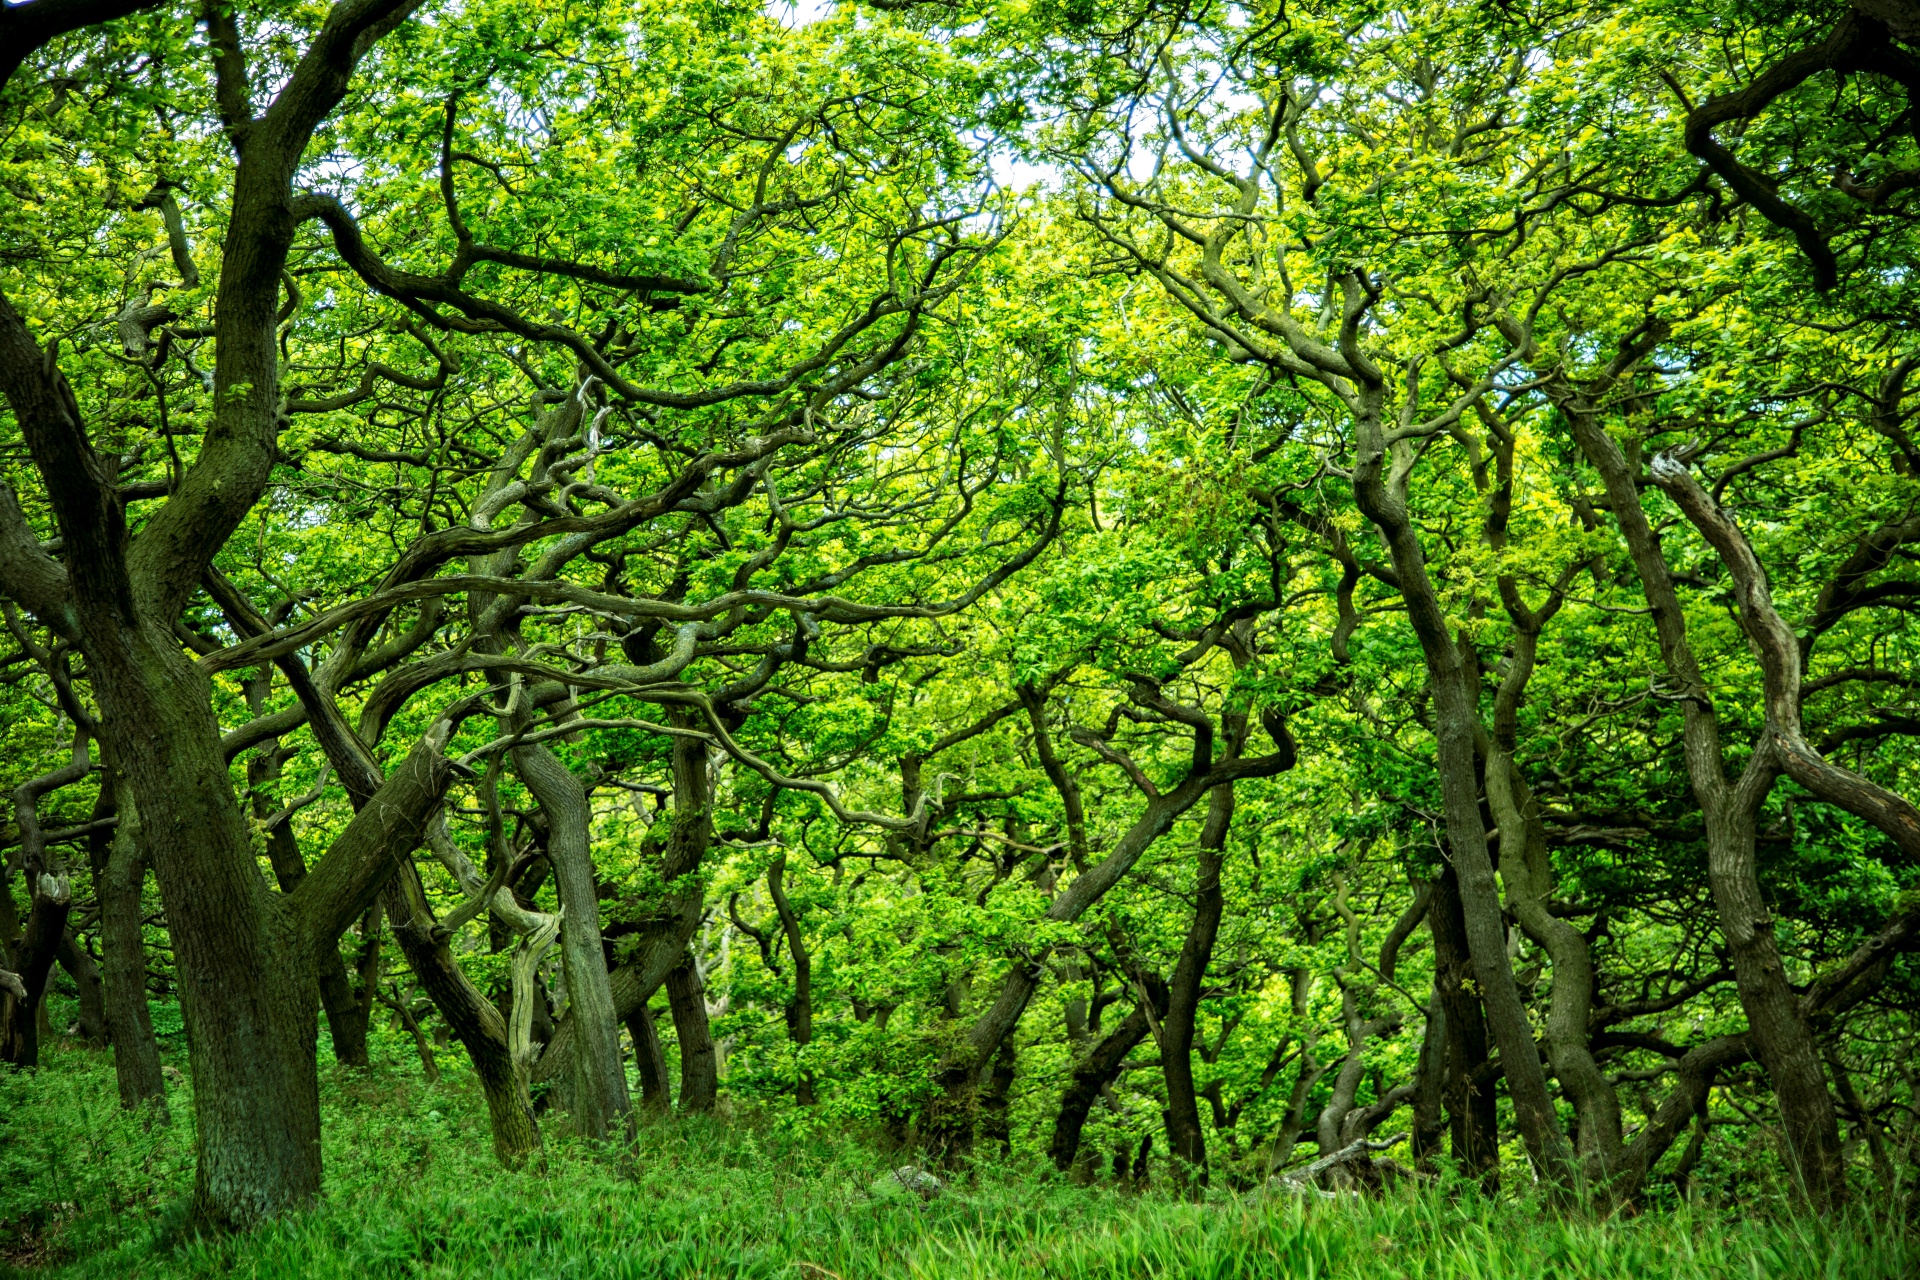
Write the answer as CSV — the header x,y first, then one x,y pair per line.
x,y
1214,594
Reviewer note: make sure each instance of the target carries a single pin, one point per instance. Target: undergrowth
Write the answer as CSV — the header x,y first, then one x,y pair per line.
x,y
87,1190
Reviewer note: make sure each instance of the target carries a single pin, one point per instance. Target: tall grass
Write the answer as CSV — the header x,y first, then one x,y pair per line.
x,y
86,1190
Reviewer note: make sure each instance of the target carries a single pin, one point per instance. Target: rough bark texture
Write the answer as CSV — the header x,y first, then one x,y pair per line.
x,y
996,1120
599,1095
1471,1104
244,959
118,880
699,1069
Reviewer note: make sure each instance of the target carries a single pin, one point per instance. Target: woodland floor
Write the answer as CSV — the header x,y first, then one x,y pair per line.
x,y
86,1190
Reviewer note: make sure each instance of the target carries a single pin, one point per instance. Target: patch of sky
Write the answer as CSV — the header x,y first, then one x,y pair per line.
x,y
796,14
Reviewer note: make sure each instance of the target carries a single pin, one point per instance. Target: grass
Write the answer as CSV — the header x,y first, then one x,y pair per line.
x,y
86,1191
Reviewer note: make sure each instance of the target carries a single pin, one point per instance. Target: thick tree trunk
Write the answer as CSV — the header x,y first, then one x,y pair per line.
x,y
246,977
118,879
699,1075
1471,1103
599,1102
1186,1140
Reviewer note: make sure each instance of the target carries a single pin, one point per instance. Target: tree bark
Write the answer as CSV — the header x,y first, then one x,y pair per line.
x,y
31,956
665,938
337,998
1379,479
699,1076
948,1124
476,1023
996,1121
1779,1034
599,1101
799,1011
119,875
1186,1140
91,1024
1094,1073
650,1057
1472,1107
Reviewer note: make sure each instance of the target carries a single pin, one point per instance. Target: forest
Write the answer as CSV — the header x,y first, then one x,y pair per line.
x,y
980,638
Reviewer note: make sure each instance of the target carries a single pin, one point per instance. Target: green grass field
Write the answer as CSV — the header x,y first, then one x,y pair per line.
x,y
86,1190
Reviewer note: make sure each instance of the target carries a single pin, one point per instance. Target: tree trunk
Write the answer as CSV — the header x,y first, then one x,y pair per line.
x,y
337,997
1093,1073
348,1018
1186,1140
1471,1103
91,1025
600,1101
1778,1032
31,956
651,1059
475,1021
1429,1098
1454,683
118,879
799,1010
1528,875
699,1077
948,1123
666,936
996,1122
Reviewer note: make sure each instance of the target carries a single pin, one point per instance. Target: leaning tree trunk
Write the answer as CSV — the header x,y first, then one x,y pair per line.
x,y
1094,1072
1778,1032
600,1102
475,1022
